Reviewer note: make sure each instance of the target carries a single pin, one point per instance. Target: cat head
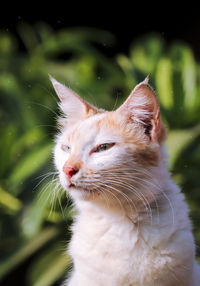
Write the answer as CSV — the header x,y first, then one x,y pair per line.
x,y
108,155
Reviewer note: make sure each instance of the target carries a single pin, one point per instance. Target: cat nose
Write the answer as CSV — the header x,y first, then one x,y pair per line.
x,y
69,171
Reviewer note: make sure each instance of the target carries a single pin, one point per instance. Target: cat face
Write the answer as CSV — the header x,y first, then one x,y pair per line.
x,y
106,156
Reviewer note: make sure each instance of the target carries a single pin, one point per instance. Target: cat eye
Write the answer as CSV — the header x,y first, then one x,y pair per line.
x,y
103,147
65,148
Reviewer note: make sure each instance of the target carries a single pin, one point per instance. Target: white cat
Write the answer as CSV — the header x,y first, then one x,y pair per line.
x,y
132,226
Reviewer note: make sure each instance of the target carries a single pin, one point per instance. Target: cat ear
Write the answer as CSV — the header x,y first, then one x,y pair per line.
x,y
142,108
73,106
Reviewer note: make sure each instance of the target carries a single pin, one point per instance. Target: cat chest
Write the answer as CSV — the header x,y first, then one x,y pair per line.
x,y
102,250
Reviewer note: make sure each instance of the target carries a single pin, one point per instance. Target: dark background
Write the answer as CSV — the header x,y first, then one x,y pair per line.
x,y
126,22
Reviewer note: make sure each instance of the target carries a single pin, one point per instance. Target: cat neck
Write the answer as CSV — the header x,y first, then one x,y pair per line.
x,y
143,212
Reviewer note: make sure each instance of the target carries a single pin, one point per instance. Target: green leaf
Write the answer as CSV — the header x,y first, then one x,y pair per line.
x,y
163,78
28,36
189,78
56,263
146,52
27,250
178,140
36,213
185,73
8,202
30,138
7,43
8,136
127,68
30,164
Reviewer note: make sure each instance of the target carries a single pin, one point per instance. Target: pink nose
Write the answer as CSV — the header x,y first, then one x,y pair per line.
x,y
69,171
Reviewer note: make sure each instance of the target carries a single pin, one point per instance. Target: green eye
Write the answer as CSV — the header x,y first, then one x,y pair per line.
x,y
65,148
104,147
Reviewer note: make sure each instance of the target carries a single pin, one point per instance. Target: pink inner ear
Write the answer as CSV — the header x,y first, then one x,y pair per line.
x,y
149,109
142,107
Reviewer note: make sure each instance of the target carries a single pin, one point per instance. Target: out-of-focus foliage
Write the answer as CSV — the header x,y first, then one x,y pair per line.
x,y
32,233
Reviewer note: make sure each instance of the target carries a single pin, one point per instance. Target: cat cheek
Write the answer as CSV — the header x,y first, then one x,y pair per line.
x,y
63,180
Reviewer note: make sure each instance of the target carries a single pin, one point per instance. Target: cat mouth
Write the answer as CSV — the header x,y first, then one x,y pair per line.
x,y
72,185
81,188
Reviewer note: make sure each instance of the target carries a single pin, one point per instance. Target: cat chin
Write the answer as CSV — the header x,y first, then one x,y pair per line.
x,y
77,192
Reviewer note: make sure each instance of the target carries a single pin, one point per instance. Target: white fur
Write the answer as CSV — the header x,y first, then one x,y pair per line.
x,y
110,250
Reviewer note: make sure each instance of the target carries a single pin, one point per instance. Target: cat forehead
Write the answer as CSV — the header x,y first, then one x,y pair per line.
x,y
85,128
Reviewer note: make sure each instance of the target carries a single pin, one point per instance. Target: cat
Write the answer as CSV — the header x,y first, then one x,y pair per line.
x,y
132,226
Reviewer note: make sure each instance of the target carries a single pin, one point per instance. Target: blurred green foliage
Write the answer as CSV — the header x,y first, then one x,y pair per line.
x,y
32,234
